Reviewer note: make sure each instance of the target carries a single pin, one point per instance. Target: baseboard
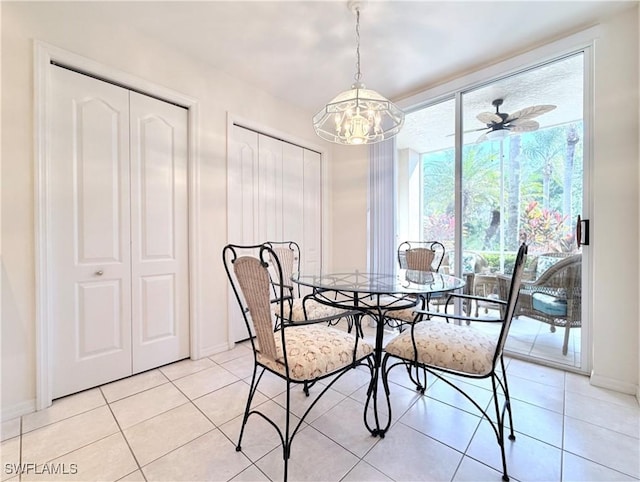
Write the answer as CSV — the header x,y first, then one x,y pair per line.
x,y
614,384
14,411
215,349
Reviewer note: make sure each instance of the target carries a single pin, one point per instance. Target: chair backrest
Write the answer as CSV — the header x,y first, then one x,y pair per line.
x,y
421,255
545,261
512,298
561,273
288,256
250,277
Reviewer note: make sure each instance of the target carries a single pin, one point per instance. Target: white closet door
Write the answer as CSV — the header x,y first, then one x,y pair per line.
x,y
269,189
242,182
312,212
274,194
292,189
159,232
89,250
243,207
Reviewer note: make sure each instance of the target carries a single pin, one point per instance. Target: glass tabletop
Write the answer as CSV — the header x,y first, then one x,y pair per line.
x,y
404,281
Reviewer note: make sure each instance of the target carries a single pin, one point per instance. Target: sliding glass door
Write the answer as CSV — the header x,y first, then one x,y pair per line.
x,y
516,174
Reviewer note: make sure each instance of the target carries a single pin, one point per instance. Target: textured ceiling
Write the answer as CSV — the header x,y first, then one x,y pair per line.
x,y
559,83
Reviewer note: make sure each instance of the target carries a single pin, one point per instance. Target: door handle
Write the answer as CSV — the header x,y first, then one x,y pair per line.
x,y
582,232
99,273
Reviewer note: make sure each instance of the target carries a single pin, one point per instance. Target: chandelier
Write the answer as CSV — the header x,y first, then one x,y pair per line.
x,y
358,115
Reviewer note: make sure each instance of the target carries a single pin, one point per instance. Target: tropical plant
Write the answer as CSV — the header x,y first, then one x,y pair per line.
x,y
440,227
543,229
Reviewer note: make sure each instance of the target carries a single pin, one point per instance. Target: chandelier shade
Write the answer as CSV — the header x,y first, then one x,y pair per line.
x,y
359,115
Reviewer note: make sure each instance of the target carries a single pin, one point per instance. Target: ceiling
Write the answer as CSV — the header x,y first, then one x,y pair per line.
x,y
560,84
304,51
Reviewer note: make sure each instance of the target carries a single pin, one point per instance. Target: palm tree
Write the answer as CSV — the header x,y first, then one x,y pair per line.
x,y
573,137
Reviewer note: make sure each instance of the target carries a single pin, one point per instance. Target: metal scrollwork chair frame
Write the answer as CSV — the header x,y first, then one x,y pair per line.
x,y
317,351
420,256
445,349
300,307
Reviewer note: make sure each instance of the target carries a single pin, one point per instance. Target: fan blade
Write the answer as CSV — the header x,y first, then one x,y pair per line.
x,y
489,118
524,126
516,122
472,130
482,138
530,112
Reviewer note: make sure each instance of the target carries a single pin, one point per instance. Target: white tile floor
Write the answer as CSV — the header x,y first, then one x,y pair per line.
x,y
535,339
181,422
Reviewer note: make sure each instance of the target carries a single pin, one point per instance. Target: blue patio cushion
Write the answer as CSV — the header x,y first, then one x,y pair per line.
x,y
549,304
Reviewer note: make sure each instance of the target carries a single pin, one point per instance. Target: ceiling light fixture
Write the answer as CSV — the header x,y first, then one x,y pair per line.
x,y
497,134
358,115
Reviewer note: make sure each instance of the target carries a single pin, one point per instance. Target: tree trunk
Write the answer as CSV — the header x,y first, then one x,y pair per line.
x,y
546,183
492,230
572,139
513,198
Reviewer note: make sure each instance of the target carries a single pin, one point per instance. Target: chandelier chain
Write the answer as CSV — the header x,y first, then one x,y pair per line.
x,y
358,75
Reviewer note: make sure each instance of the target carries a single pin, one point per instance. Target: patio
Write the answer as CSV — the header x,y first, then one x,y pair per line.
x,y
532,338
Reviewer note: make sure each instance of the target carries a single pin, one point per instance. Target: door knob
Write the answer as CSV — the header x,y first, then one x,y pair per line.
x,y
99,273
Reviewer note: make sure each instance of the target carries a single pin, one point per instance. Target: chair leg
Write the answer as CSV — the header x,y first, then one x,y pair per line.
x,y
500,433
565,346
512,435
252,391
286,443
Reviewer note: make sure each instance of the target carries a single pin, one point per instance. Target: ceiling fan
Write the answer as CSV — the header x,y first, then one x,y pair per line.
x,y
500,124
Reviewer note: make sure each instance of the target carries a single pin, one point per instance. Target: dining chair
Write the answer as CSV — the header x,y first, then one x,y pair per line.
x,y
445,349
296,307
300,353
420,256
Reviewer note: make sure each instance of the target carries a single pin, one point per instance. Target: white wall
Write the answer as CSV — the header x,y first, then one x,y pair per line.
x,y
76,27
615,205
615,219
349,189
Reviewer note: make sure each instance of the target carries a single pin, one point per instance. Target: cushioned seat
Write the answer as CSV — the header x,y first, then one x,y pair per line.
x,y
549,304
459,348
313,351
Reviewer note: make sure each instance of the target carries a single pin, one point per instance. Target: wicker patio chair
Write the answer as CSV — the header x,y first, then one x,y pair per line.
x,y
555,297
450,350
299,353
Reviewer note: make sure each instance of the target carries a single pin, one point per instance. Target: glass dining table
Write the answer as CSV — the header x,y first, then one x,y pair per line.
x,y
376,295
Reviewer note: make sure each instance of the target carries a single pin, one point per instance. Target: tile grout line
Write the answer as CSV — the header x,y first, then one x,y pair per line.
x,y
123,436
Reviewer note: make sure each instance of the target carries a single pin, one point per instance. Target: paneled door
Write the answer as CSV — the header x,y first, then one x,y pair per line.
x,y
119,240
159,232
274,194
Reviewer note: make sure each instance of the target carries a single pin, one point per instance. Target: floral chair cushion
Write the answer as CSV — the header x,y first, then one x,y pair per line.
x,y
314,351
460,348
